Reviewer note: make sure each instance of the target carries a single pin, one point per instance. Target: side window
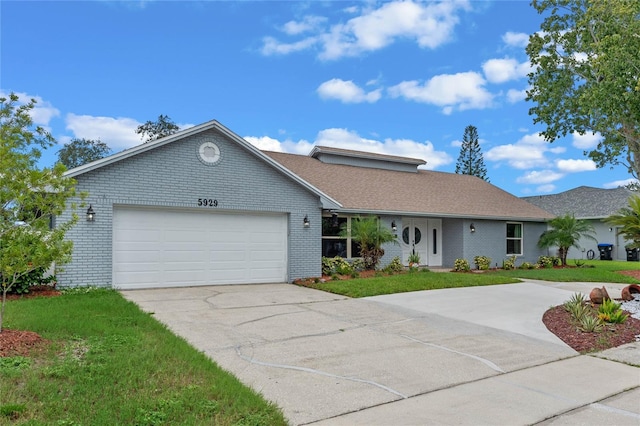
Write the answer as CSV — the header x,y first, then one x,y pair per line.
x,y
514,238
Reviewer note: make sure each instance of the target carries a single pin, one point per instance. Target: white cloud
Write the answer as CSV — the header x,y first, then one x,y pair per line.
x,y
516,39
308,23
538,177
347,139
526,153
574,166
42,113
502,70
514,96
429,24
619,183
586,141
546,188
273,47
347,92
460,91
119,133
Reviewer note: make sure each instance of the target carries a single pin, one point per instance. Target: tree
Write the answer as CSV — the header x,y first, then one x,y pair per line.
x,y
565,233
628,219
586,75
157,129
367,232
82,151
28,198
470,161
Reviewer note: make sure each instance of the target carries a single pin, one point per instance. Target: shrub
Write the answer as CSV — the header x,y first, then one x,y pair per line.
x,y
394,266
590,324
482,262
611,312
546,261
509,264
461,265
35,277
357,265
527,265
336,266
577,307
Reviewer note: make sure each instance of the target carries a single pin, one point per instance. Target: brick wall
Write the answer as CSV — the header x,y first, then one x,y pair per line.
x,y
174,176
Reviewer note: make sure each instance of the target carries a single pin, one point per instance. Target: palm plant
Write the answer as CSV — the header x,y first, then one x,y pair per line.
x,y
368,233
565,233
628,219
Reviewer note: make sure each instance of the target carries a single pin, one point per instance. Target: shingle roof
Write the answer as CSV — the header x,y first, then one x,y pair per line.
x,y
584,202
425,192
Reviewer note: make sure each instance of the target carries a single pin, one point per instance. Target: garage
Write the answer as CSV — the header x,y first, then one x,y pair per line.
x,y
181,247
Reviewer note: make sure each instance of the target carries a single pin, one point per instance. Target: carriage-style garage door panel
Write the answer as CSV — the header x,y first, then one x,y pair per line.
x,y
171,248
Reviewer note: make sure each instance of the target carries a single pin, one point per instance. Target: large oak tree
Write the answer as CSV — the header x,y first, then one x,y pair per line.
x,y
586,75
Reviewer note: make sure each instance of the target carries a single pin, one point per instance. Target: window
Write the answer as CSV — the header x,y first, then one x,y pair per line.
x,y
332,244
514,238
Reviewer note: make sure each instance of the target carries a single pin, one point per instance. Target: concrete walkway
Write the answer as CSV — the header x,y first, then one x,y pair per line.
x,y
476,356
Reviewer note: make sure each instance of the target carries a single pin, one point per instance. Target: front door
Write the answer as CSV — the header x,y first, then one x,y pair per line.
x,y
422,237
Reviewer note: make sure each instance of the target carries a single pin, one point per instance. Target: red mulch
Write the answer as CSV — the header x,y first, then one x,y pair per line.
x,y
19,342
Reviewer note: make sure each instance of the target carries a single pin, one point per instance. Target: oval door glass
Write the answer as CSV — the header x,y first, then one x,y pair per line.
x,y
405,235
417,235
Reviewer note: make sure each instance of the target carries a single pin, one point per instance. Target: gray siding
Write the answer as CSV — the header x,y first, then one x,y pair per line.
x,y
489,240
173,176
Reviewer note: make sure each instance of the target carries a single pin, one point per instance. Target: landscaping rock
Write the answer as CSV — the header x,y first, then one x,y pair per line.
x,y
598,295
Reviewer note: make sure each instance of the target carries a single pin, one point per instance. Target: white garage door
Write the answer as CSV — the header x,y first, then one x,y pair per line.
x,y
172,248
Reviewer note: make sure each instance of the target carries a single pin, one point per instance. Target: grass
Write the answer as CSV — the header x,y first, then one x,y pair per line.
x,y
597,271
111,363
412,281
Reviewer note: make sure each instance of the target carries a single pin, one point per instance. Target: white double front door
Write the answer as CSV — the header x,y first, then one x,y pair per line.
x,y
423,237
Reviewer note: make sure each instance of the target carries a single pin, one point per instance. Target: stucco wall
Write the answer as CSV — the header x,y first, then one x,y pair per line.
x,y
173,176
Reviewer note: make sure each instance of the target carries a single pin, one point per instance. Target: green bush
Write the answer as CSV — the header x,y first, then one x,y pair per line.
x,y
394,266
509,264
33,278
336,266
482,262
461,265
527,265
548,261
611,312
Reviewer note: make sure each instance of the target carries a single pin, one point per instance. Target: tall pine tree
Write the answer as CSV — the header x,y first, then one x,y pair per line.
x,y
470,161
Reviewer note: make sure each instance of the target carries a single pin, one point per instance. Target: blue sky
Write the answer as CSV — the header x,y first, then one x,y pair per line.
x,y
401,78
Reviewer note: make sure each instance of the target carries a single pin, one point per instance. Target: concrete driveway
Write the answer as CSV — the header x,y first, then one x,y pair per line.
x,y
462,356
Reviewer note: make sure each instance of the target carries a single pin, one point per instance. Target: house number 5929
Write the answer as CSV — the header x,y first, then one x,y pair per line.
x,y
207,202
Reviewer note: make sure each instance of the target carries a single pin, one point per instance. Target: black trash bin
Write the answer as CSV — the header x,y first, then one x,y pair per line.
x,y
632,254
605,251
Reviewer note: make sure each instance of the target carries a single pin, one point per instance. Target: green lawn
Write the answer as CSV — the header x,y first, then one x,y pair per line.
x,y
599,271
110,363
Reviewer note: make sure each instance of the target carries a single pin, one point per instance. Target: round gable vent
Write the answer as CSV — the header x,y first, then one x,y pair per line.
x,y
209,153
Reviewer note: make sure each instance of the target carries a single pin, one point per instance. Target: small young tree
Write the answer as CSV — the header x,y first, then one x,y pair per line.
x,y
628,219
29,196
82,151
470,160
565,233
367,232
153,130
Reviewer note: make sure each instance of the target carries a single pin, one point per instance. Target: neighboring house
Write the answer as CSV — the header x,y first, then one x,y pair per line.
x,y
203,206
593,205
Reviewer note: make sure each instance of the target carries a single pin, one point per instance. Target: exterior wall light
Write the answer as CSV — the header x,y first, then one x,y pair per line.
x,y
394,228
472,227
610,229
305,221
91,215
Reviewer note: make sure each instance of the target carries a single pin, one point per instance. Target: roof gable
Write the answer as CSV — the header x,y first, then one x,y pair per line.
x,y
327,201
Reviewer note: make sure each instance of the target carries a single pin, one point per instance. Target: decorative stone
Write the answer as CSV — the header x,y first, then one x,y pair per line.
x,y
597,295
628,290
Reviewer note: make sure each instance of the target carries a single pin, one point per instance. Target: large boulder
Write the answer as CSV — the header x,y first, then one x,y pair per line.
x,y
628,291
598,295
